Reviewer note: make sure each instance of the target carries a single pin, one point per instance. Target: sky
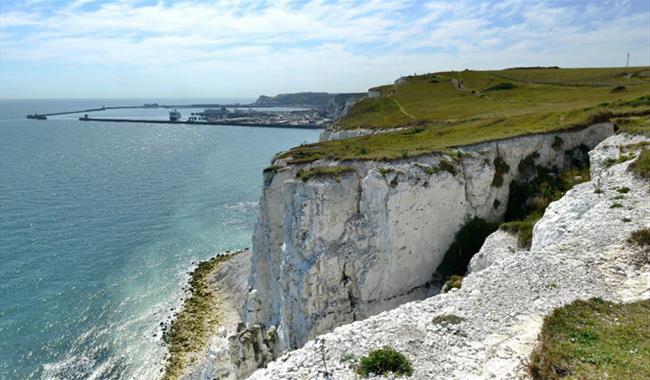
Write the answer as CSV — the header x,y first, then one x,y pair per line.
x,y
212,49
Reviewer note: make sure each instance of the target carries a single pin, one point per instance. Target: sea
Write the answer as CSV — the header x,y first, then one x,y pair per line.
x,y
101,222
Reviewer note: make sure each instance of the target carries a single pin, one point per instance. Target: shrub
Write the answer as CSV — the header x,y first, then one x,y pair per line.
x,y
447,166
501,86
336,171
641,237
467,242
383,361
447,319
453,282
272,169
594,339
501,168
623,190
557,143
616,205
618,89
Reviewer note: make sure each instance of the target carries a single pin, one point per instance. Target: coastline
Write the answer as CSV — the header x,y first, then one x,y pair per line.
x,y
204,314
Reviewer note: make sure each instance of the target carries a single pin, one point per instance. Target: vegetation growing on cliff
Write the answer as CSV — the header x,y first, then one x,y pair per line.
x,y
592,340
335,171
439,116
641,237
468,241
189,331
641,166
384,361
530,196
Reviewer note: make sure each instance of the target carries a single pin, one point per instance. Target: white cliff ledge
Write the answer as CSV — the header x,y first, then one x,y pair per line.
x,y
579,250
335,249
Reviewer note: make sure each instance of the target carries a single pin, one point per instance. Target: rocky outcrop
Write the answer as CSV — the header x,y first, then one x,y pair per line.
x,y
580,250
220,360
331,133
335,249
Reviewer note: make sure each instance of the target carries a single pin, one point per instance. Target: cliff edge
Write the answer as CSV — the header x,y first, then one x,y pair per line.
x,y
488,328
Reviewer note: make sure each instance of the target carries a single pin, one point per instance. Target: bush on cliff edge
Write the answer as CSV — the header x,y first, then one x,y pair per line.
x,y
383,361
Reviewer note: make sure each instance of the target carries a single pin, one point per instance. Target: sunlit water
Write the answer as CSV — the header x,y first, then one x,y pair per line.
x,y
99,223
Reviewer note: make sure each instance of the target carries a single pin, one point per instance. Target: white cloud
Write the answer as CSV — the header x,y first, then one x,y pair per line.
x,y
234,48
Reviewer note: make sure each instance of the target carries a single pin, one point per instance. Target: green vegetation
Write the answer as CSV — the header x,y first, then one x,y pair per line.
x,y
523,228
623,190
501,86
440,116
641,237
272,169
384,361
335,171
641,166
468,241
454,282
616,205
199,317
501,169
537,189
447,319
593,340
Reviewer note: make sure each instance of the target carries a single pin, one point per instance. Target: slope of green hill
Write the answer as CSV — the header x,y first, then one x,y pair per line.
x,y
448,109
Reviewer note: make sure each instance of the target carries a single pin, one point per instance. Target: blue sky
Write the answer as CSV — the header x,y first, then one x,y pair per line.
x,y
131,48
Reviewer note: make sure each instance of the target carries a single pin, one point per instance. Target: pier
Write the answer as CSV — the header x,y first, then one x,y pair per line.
x,y
148,106
223,123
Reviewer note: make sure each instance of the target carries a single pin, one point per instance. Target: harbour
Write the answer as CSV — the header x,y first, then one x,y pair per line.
x,y
193,122
236,114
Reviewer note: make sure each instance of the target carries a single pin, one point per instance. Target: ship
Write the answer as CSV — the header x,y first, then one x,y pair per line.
x,y
174,115
37,116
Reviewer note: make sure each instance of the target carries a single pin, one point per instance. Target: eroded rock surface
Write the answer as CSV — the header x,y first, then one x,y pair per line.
x,y
579,250
336,249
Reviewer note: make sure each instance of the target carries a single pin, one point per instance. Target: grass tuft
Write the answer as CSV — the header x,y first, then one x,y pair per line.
x,y
641,237
641,166
593,340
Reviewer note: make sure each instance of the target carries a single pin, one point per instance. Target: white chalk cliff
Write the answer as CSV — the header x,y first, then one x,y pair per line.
x,y
330,252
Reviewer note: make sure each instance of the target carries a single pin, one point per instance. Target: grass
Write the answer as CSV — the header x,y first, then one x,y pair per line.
x,y
594,339
447,319
641,237
439,117
523,228
384,361
641,166
334,171
199,317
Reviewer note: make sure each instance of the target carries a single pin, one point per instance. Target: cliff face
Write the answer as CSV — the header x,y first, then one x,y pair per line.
x,y
334,249
488,328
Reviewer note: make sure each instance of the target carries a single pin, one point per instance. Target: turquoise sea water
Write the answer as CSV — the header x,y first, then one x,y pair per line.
x,y
99,223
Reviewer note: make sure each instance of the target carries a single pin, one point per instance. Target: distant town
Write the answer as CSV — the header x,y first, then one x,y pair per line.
x,y
297,110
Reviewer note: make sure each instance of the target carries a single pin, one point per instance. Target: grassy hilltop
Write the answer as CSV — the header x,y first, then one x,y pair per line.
x,y
447,109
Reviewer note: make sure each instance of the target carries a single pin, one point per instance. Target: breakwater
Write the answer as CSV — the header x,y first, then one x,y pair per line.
x,y
230,123
166,106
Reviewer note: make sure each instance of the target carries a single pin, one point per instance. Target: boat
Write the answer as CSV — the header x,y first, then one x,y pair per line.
x,y
37,116
174,115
